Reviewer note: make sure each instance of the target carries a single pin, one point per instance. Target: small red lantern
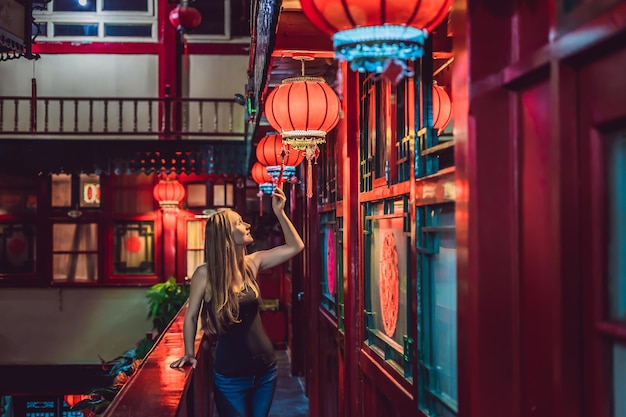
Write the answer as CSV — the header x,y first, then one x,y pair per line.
x,y
184,17
272,151
264,179
259,174
442,108
169,193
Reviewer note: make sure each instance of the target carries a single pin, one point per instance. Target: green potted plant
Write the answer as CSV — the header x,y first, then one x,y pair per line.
x,y
165,300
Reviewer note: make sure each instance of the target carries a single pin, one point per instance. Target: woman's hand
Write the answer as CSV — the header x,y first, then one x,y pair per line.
x,y
278,200
185,360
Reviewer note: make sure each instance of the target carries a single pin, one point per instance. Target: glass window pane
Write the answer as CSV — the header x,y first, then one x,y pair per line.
x,y
125,5
616,159
230,195
70,237
196,195
219,199
213,22
61,190
90,190
75,267
619,380
195,245
134,31
17,248
444,304
40,29
74,5
76,29
133,201
133,248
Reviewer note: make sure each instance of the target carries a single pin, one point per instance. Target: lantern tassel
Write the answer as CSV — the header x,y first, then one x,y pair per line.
x,y
309,180
280,176
185,54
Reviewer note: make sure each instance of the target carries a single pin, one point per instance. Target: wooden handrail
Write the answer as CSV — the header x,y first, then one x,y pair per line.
x,y
156,390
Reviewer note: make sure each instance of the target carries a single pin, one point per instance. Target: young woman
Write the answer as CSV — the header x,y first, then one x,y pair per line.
x,y
226,291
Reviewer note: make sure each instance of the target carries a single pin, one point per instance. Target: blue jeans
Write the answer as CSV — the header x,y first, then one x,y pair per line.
x,y
244,396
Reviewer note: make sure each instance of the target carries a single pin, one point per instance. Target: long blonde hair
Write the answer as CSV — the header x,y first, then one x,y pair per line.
x,y
220,257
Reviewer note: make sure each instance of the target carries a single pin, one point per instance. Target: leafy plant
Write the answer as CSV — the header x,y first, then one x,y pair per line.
x,y
165,299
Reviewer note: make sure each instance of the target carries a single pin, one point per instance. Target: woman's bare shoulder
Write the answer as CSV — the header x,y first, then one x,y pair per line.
x,y
199,280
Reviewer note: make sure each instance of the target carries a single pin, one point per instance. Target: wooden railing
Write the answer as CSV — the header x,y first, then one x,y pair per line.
x,y
165,118
156,390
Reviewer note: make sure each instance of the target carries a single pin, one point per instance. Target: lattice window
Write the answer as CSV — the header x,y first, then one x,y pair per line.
x,y
133,248
387,287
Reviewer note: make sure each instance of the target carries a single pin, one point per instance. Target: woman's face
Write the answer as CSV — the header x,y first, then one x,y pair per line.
x,y
241,229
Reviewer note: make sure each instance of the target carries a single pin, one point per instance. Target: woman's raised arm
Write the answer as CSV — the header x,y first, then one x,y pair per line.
x,y
293,242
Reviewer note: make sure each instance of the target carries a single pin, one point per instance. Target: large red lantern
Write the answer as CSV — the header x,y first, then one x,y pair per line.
x,y
374,35
303,109
169,193
442,108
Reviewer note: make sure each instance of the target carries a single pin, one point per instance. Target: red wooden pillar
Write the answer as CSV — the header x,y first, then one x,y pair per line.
x,y
169,218
352,245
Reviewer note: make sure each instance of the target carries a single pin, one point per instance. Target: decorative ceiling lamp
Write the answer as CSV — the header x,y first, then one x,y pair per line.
x,y
442,108
264,179
169,193
279,158
377,36
303,109
185,18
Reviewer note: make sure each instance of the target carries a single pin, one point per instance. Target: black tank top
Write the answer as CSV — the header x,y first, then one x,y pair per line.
x,y
244,348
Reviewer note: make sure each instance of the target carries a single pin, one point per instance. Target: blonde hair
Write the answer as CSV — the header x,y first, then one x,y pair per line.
x,y
220,257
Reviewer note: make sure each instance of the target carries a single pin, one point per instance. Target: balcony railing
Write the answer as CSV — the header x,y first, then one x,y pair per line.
x,y
158,390
119,117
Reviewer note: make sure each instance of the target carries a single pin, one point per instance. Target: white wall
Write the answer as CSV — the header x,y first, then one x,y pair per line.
x,y
70,325
82,75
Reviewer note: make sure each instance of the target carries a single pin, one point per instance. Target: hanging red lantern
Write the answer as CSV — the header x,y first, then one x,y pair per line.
x,y
264,179
303,110
271,150
442,108
259,173
169,193
184,17
376,35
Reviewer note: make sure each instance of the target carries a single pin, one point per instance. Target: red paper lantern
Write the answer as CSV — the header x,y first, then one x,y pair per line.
x,y
169,193
332,16
378,36
442,108
272,151
303,109
259,174
184,17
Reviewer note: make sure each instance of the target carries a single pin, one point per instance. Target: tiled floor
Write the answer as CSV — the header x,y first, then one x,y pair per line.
x,y
289,399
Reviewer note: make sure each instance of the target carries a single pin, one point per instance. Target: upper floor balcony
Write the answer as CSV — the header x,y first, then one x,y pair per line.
x,y
122,118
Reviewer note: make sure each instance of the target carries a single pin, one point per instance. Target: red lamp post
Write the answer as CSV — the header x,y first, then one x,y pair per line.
x,y
169,193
